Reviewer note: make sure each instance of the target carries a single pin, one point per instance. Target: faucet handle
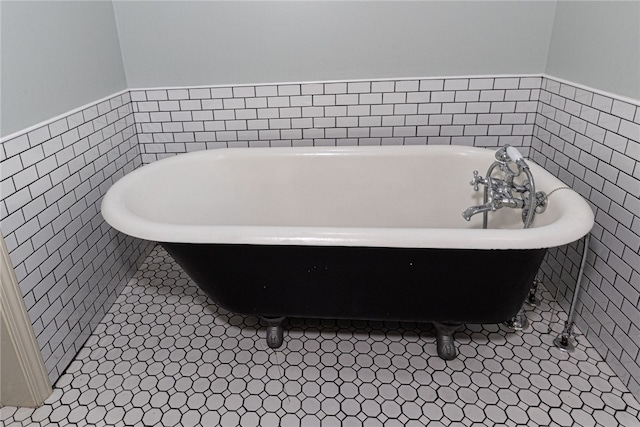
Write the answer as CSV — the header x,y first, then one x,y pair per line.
x,y
476,180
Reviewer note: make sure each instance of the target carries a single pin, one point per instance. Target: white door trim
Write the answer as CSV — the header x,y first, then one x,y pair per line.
x,y
27,383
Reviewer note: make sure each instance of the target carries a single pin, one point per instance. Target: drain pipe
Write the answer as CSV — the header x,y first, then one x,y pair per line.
x,y
563,341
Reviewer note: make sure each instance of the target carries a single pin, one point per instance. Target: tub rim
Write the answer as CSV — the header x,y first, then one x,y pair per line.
x,y
576,219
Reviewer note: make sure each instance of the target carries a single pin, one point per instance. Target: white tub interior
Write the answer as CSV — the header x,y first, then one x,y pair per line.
x,y
380,196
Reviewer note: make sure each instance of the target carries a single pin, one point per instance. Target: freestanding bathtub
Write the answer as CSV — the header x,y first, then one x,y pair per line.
x,y
358,233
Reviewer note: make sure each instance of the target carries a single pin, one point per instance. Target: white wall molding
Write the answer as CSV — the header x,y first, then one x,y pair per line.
x,y
479,76
61,116
633,101
309,82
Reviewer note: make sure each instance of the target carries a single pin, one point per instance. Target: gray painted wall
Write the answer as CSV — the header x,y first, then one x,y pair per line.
x,y
204,43
56,56
597,44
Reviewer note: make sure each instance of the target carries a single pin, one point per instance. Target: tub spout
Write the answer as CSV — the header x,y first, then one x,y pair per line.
x,y
467,214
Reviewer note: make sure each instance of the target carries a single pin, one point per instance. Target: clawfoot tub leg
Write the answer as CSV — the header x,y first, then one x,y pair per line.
x,y
519,322
445,343
274,331
532,300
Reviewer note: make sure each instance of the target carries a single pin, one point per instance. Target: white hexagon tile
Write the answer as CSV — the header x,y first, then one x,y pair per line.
x,y
165,355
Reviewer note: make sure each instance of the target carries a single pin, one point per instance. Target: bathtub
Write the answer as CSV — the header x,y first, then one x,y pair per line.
x,y
345,233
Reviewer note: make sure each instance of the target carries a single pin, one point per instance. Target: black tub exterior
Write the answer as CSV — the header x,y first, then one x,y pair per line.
x,y
369,283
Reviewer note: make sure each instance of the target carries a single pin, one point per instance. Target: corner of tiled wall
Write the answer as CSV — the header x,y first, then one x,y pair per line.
x,y
592,142
69,263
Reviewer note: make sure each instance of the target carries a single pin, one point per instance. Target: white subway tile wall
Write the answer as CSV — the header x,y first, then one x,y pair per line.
x,y
54,177
70,264
592,143
484,112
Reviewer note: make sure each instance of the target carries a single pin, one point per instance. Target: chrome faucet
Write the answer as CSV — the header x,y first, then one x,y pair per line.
x,y
499,193
467,214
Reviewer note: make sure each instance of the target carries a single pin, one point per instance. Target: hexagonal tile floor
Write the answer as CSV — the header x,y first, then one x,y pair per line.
x,y
166,355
